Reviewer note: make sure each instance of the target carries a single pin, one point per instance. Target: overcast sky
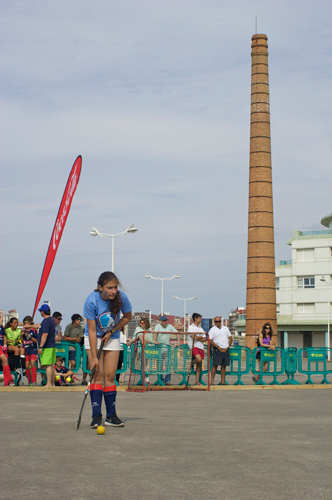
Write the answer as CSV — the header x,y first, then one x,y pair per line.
x,y
155,96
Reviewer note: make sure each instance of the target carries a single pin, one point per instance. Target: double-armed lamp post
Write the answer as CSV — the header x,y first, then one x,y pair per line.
x,y
130,229
184,314
148,276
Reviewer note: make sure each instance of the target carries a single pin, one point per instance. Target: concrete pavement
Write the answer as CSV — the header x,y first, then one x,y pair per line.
x,y
230,443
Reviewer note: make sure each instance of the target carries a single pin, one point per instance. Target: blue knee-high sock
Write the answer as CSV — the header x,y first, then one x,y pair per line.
x,y
110,397
96,395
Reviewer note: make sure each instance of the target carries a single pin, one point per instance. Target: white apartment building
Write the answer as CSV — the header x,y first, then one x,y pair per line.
x,y
303,287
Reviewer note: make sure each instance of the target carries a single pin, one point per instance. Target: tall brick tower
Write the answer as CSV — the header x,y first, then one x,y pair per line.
x,y
261,294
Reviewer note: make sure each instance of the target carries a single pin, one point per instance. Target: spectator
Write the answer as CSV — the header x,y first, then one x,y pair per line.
x,y
57,316
123,340
14,345
29,339
221,340
73,333
62,375
8,381
46,341
195,343
264,340
144,327
162,336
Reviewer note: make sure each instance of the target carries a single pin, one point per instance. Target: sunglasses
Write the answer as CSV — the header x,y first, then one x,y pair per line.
x,y
218,321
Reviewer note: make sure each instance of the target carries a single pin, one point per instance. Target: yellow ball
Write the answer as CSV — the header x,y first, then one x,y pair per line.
x,y
57,377
101,429
68,379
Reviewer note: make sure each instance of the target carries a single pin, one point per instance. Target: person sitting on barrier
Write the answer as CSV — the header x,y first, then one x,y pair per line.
x,y
14,343
221,340
8,380
264,340
29,339
162,336
195,343
144,326
74,332
62,375
57,316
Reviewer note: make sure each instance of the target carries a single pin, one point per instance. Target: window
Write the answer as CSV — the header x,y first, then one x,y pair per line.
x,y
277,283
278,308
306,308
305,255
306,282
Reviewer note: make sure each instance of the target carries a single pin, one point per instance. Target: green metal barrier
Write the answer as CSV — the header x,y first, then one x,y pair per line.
x,y
238,355
181,360
124,368
290,366
317,363
158,361
270,357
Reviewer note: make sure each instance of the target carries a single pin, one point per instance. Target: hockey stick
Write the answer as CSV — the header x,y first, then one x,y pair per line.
x,y
88,386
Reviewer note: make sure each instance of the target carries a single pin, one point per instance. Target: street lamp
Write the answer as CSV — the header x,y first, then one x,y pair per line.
x,y
130,229
176,276
184,314
329,283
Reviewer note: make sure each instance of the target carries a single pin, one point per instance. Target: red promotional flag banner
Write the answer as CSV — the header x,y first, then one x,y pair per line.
x,y
59,225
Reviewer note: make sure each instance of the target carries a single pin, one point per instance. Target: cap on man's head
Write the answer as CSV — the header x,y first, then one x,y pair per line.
x,y
163,318
44,308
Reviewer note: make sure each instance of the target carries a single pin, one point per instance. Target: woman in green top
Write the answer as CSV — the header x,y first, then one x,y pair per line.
x,y
144,327
14,343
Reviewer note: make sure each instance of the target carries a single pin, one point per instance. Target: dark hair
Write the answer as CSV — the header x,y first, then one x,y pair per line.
x,y
104,278
56,315
28,319
146,322
196,316
265,335
9,323
75,317
59,358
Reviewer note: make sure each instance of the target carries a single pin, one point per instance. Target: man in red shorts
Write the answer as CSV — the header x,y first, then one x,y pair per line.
x,y
198,337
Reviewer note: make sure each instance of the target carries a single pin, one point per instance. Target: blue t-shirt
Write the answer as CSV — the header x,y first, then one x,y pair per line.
x,y
95,308
29,345
47,326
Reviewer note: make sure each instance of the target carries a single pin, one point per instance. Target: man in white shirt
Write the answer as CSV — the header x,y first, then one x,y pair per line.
x,y
195,342
162,336
221,340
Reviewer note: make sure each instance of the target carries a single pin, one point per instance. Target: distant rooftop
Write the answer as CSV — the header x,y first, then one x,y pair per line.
x,y
310,235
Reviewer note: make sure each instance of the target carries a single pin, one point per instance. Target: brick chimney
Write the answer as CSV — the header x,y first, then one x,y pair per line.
x,y
261,293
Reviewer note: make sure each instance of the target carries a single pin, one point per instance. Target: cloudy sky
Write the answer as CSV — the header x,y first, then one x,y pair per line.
x,y
155,96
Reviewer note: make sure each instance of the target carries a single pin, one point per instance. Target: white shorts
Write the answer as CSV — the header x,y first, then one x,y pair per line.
x,y
111,345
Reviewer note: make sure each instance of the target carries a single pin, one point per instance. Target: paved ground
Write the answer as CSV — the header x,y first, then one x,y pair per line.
x,y
233,443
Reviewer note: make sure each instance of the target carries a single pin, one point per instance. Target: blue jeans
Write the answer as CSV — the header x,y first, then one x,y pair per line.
x,y
166,378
